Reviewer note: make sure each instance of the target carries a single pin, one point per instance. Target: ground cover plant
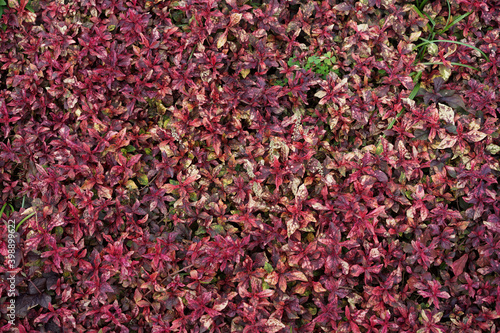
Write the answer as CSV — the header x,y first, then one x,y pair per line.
x,y
250,166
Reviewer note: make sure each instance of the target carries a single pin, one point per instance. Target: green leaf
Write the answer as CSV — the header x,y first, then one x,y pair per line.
x,y
130,149
217,228
380,148
281,82
143,179
200,231
130,185
29,7
59,230
312,310
292,62
491,148
268,267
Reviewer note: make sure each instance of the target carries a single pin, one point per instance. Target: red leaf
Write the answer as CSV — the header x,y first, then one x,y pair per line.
x,y
357,270
459,265
407,82
381,176
143,220
282,283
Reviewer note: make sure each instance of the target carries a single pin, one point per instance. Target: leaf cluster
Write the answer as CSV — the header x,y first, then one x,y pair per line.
x,y
173,186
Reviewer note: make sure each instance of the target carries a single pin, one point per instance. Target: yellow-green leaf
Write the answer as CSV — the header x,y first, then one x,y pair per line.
x,y
222,40
130,185
143,179
493,149
244,72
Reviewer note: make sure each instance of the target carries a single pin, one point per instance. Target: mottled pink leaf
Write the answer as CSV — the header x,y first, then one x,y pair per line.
x,y
458,265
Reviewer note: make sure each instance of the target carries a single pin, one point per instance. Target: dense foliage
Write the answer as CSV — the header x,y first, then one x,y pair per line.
x,y
185,178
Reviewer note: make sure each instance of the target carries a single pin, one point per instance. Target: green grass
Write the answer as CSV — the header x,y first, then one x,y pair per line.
x,y
418,9
12,210
451,41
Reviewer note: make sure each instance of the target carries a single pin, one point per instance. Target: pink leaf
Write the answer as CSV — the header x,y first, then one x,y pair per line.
x,y
357,270
274,325
301,193
220,304
367,180
291,226
407,82
459,265
475,136
297,275
319,206
447,142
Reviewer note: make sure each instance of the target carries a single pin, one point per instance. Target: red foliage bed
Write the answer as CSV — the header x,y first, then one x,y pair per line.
x,y
248,166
